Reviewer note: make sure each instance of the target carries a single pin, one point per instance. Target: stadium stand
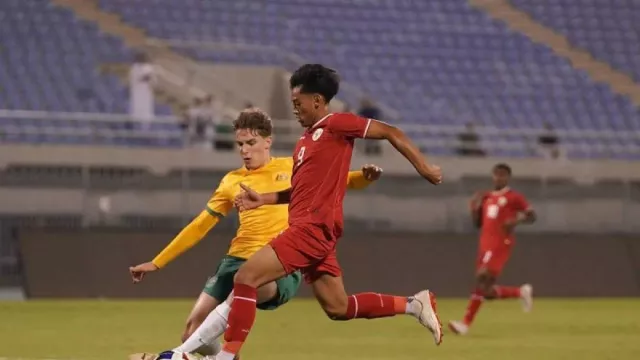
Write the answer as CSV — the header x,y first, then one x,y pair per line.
x,y
441,63
607,29
49,61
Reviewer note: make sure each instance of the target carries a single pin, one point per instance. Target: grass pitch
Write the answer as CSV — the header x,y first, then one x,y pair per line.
x,y
110,330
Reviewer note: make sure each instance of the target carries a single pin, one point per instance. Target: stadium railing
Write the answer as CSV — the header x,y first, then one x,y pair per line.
x,y
52,127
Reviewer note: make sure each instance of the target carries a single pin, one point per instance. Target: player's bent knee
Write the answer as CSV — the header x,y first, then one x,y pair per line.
x,y
487,290
246,277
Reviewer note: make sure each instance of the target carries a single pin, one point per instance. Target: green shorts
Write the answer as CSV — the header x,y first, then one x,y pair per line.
x,y
220,285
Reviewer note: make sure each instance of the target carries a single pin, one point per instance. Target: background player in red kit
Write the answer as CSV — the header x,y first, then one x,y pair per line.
x,y
496,213
321,161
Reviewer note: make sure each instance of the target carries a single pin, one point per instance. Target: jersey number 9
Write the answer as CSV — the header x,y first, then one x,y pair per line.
x,y
300,156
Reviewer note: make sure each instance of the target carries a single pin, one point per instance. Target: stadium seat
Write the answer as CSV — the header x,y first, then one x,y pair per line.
x,y
49,58
437,62
459,63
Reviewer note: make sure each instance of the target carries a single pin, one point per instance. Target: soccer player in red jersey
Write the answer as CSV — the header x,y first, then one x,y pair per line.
x,y
496,213
321,161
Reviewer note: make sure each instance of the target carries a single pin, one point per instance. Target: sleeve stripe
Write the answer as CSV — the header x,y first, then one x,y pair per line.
x,y
213,213
366,129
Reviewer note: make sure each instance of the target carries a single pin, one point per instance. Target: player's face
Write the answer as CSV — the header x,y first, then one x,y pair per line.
x,y
305,107
254,149
500,178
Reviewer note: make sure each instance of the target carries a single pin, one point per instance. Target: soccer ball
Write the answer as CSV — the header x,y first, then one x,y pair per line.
x,y
172,355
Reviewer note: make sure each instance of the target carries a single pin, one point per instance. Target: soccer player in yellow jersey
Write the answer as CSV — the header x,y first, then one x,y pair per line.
x,y
257,227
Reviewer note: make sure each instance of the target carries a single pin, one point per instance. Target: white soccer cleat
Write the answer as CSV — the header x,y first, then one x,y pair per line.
x,y
526,297
426,314
458,327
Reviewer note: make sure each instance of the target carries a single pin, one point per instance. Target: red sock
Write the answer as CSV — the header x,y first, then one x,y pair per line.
x,y
241,317
507,292
474,305
373,305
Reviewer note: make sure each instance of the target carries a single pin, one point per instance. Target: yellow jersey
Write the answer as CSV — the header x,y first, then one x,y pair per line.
x,y
258,226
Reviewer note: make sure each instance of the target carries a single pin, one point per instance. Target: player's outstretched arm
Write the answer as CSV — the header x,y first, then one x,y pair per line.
x,y
404,145
185,240
360,179
218,206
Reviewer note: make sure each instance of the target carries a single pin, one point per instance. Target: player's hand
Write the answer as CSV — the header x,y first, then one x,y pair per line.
x,y
433,174
509,225
247,199
137,272
371,172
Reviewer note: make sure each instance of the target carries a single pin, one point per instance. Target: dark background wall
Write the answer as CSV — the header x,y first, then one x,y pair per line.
x,y
94,263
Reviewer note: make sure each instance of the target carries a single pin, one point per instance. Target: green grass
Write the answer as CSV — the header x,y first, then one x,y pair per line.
x,y
556,329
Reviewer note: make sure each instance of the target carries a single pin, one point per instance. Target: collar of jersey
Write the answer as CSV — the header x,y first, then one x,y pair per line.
x,y
321,120
502,191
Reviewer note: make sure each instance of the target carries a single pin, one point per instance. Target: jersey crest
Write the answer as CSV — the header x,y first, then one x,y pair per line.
x,y
316,134
282,176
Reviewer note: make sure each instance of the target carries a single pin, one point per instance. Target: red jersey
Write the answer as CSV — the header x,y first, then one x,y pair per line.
x,y
321,163
497,208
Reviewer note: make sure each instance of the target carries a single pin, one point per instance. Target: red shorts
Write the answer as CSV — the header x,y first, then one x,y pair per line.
x,y
305,248
493,258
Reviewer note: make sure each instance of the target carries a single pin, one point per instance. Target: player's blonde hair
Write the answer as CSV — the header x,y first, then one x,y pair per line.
x,y
254,119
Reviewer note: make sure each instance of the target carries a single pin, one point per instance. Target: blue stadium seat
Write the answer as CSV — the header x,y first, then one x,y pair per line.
x,y
437,62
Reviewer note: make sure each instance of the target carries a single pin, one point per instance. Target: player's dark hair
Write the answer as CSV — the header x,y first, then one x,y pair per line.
x,y
316,79
502,166
254,119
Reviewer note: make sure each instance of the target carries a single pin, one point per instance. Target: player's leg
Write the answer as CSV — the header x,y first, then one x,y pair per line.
x,y
284,289
328,288
261,268
210,309
492,270
489,266
483,288
206,335
270,296
204,306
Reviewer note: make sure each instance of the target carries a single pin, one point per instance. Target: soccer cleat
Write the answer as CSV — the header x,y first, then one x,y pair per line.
x,y
165,355
427,315
458,327
526,297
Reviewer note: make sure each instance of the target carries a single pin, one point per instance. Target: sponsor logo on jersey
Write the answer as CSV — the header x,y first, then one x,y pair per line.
x,y
316,134
282,177
502,201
